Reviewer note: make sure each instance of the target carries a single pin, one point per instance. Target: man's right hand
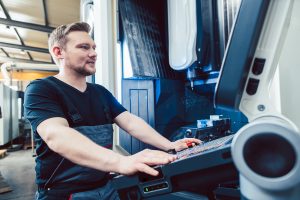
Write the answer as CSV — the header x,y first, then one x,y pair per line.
x,y
141,162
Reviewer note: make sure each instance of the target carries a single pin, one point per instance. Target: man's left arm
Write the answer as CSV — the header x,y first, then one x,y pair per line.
x,y
139,129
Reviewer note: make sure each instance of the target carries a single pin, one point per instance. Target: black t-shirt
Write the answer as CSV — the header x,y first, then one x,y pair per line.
x,y
43,101
50,97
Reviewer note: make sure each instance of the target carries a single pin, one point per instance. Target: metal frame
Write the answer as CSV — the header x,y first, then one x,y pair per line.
x,y
10,59
24,47
7,55
18,24
45,14
26,25
15,30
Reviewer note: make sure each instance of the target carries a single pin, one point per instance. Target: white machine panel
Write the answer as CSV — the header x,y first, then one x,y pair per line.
x,y
182,33
9,115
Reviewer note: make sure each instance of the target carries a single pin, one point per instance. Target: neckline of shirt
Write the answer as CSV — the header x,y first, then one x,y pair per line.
x,y
70,86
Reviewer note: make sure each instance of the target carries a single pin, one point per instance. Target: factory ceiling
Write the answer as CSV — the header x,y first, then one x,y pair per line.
x,y
26,24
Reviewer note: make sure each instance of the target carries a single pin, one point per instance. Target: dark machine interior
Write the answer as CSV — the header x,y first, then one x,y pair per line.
x,y
162,96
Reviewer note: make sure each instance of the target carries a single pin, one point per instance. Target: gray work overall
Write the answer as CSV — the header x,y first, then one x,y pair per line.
x,y
101,135
67,172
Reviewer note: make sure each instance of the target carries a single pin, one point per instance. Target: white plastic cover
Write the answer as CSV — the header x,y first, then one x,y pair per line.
x,y
87,12
182,26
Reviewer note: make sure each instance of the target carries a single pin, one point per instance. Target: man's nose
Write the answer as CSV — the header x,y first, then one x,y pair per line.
x,y
93,53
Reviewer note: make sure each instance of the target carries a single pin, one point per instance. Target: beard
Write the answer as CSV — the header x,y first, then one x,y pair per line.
x,y
84,71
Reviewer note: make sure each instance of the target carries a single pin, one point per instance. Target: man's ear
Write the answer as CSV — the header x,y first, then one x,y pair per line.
x,y
57,51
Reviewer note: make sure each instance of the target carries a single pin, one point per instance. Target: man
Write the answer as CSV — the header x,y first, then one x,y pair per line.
x,y
72,121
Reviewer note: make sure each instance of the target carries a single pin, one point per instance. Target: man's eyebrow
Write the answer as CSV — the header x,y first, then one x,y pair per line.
x,y
84,43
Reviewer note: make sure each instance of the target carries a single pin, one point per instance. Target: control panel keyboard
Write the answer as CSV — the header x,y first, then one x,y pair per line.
x,y
204,147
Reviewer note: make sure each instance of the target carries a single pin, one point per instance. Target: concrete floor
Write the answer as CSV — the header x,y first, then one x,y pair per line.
x,y
17,168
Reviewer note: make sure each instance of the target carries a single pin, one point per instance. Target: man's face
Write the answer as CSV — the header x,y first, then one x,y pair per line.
x,y
79,53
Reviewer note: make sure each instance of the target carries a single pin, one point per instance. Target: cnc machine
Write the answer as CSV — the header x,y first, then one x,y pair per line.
x,y
263,157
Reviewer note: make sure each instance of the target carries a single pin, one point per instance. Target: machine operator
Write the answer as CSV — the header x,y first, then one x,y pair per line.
x,y
72,122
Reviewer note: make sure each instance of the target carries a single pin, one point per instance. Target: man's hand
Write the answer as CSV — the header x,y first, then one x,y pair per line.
x,y
141,162
184,143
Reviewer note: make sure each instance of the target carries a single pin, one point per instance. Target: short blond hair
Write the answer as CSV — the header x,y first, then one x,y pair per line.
x,y
59,35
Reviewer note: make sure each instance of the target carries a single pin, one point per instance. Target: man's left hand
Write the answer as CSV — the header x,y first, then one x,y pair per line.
x,y
184,143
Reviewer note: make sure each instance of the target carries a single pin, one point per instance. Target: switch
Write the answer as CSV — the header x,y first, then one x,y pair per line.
x,y
258,66
252,86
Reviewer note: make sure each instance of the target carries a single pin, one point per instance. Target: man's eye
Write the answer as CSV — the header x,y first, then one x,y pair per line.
x,y
84,47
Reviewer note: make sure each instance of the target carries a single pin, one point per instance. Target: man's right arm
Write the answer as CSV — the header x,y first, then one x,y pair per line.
x,y
77,148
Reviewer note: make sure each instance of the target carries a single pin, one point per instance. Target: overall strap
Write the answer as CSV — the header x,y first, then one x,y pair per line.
x,y
106,108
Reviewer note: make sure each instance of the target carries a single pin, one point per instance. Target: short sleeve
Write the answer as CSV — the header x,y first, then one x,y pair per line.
x,y
115,107
41,102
